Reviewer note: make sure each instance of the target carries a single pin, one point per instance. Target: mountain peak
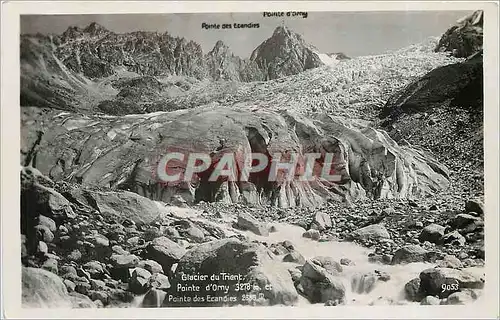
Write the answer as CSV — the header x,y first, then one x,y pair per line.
x,y
282,30
220,49
220,44
285,53
94,29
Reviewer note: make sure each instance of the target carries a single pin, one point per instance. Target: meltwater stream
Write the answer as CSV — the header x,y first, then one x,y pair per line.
x,y
388,292
383,293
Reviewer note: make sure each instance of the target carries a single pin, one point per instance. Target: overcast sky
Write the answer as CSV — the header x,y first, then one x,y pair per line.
x,y
354,33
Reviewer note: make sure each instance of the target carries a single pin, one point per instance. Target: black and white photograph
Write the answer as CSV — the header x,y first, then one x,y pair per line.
x,y
282,158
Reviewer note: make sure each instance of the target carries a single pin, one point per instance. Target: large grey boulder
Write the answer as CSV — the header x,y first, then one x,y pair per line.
x,y
227,262
320,280
43,289
408,254
432,281
371,232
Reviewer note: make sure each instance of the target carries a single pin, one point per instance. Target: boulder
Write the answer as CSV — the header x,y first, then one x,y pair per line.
x,y
49,203
237,261
432,233
430,301
321,221
189,230
312,234
94,268
346,262
70,285
320,281
412,290
463,220
124,261
96,295
371,232
159,281
409,254
97,285
454,238
151,265
165,252
449,261
82,287
48,222
123,204
75,255
153,298
247,222
43,289
98,240
432,281
51,265
465,296
314,268
139,280
475,205
294,257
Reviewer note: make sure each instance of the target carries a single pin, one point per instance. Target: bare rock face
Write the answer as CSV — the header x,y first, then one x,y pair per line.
x,y
222,64
95,51
285,53
465,37
124,152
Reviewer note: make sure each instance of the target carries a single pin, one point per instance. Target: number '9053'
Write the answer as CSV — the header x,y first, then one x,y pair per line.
x,y
449,287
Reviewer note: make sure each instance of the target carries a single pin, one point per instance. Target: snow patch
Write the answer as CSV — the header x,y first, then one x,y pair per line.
x,y
328,60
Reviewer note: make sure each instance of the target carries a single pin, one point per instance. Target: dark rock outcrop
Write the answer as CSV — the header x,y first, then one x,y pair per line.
x,y
465,38
456,85
432,281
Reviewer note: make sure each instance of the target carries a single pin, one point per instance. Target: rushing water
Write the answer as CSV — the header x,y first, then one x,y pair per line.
x,y
382,293
388,292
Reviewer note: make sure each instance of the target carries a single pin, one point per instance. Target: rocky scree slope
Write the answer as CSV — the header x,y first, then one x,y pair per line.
x,y
123,152
84,247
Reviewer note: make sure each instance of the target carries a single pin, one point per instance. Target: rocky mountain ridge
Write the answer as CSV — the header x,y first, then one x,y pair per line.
x,y
96,52
76,70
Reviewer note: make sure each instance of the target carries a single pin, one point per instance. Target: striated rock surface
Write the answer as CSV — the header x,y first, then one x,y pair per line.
x,y
123,153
